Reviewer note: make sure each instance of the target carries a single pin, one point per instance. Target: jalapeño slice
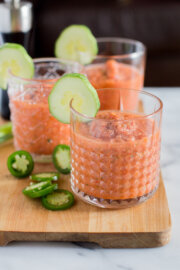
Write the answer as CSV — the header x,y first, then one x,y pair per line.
x,y
51,176
62,158
5,132
60,199
20,164
39,190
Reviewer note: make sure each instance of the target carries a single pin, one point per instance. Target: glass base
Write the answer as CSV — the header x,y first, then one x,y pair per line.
x,y
105,203
42,158
36,157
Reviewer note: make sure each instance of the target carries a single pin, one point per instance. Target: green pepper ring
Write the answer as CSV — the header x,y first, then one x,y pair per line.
x,y
55,207
40,193
15,172
38,178
63,147
5,132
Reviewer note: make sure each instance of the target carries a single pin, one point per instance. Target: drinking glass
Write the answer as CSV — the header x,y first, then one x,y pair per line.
x,y
115,155
120,63
35,129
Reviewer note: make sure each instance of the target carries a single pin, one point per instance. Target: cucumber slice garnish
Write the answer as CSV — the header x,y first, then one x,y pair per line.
x,y
62,158
77,43
39,177
14,57
77,87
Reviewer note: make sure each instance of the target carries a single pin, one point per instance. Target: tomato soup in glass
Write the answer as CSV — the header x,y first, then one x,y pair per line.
x,y
120,63
115,155
35,129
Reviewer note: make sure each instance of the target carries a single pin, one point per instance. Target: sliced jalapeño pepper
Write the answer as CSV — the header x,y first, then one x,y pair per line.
x,y
5,132
60,199
40,189
62,158
20,164
51,176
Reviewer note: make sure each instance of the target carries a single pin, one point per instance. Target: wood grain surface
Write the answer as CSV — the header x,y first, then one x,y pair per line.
x,y
23,219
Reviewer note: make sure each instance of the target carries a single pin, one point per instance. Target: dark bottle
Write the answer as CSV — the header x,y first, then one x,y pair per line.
x,y
15,27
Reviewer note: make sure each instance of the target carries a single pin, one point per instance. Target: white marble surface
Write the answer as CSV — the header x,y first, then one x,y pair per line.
x,y
30,256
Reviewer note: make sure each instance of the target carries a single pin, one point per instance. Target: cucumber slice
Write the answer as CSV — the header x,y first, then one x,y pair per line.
x,y
62,158
77,87
77,43
14,57
39,177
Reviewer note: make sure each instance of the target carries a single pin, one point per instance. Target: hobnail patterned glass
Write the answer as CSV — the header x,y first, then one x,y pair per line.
x,y
35,129
115,156
120,63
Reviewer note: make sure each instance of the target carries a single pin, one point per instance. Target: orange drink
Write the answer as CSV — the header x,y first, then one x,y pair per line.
x,y
34,129
120,64
115,156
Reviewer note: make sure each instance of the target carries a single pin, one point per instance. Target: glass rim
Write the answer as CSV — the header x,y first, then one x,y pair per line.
x,y
45,59
117,120
122,40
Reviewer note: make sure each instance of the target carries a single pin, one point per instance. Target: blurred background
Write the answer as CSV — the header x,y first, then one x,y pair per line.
x,y
155,23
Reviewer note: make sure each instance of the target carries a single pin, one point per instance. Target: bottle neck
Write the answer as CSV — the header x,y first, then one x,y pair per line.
x,y
13,3
15,16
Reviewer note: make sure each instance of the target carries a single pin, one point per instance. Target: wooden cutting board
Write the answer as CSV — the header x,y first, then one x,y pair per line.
x,y
23,219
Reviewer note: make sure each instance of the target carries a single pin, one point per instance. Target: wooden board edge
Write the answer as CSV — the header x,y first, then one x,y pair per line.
x,y
105,240
135,240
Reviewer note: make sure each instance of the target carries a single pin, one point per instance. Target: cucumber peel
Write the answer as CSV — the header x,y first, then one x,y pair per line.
x,y
76,43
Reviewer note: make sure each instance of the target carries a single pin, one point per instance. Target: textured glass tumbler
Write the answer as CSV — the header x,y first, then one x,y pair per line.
x,y
35,129
120,63
115,156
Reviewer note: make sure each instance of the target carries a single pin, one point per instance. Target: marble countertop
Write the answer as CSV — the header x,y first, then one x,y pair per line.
x,y
67,256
